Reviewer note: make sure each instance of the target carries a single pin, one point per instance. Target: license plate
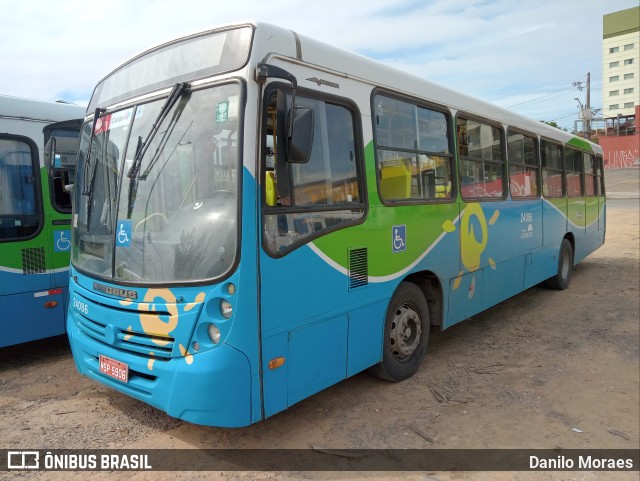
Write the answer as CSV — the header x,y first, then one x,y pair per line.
x,y
115,369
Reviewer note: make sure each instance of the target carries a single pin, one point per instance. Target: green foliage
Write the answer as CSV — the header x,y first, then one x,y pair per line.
x,y
553,124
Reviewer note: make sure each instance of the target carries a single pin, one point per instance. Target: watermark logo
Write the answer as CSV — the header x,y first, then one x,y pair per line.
x,y
23,460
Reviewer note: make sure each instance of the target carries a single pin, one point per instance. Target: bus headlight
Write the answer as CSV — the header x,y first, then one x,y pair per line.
x,y
214,333
226,309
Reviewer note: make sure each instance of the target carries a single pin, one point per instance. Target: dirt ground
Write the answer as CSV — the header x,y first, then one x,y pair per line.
x,y
523,374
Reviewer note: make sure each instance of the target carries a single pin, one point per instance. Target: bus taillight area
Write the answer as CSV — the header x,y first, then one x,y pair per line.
x,y
164,346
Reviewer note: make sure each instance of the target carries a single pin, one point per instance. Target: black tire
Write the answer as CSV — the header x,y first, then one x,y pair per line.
x,y
406,334
565,265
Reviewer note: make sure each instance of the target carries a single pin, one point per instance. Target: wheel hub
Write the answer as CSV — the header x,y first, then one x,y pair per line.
x,y
405,332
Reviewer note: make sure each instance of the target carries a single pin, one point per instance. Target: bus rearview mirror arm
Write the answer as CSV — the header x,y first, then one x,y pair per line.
x,y
298,146
265,71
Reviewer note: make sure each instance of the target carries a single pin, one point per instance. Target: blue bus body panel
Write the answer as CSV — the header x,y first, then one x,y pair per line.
x,y
25,315
26,318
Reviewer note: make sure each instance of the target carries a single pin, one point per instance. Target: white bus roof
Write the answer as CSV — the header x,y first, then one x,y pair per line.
x,y
18,108
271,41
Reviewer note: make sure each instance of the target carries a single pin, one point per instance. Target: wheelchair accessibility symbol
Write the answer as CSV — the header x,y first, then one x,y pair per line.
x,y
61,240
123,234
399,238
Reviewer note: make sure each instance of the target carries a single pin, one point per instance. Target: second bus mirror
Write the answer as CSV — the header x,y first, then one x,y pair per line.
x,y
49,155
301,142
60,154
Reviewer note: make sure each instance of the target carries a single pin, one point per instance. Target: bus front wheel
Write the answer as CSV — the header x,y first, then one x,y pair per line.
x,y
406,334
565,265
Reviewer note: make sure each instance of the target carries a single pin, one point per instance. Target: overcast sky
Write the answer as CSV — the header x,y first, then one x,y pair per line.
x,y
521,54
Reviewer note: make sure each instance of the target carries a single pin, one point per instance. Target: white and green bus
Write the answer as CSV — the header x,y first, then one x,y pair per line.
x,y
259,216
35,215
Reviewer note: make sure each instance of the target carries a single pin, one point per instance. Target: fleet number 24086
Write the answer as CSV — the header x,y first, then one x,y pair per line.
x,y
81,306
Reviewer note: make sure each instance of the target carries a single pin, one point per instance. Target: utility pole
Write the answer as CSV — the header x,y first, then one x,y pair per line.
x,y
585,111
588,116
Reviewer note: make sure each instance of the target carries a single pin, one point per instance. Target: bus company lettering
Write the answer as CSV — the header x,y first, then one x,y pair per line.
x,y
321,81
120,119
115,291
527,219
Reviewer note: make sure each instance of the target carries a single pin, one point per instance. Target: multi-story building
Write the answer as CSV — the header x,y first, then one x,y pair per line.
x,y
621,62
618,131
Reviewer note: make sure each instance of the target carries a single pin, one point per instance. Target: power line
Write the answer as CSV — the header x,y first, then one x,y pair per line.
x,y
543,97
564,117
551,95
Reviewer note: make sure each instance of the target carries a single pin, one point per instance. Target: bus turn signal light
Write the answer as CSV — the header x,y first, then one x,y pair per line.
x,y
50,304
276,362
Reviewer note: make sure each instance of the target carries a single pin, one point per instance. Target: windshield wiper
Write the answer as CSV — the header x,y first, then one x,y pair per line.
x,y
141,148
87,187
178,90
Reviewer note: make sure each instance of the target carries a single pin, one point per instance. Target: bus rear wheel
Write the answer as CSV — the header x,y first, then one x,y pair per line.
x,y
406,334
565,265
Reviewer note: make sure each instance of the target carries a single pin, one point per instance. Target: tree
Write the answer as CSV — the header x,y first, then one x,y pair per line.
x,y
553,124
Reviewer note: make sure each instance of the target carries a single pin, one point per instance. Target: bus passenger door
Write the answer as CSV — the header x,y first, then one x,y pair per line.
x,y
60,158
304,297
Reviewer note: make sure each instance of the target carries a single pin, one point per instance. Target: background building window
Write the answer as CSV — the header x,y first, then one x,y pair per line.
x,y
629,46
613,64
613,93
628,61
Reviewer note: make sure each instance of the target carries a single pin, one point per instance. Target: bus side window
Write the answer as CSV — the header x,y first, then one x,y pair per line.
x,y
412,151
481,159
18,209
64,167
319,195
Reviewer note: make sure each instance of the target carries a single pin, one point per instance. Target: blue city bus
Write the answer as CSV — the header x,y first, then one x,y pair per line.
x,y
35,215
259,216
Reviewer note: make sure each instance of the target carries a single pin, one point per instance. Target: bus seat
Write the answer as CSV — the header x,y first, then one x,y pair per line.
x,y
395,180
443,190
270,188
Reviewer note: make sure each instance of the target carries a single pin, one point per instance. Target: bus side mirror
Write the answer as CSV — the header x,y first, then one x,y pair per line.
x,y
300,143
49,155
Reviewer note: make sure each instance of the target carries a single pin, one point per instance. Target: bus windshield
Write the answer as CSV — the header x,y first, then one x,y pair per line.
x,y
174,218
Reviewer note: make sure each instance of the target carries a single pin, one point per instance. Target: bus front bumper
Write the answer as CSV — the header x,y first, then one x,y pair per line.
x,y
211,388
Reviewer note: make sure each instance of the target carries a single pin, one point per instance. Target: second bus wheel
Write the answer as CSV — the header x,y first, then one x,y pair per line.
x,y
565,265
406,334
